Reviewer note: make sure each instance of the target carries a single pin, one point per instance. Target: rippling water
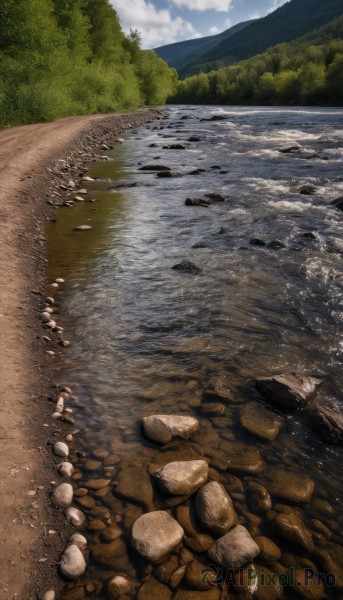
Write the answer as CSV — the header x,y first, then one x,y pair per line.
x,y
146,338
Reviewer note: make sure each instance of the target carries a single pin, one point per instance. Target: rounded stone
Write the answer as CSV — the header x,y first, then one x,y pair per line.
x,y
61,449
235,549
155,534
214,508
75,516
50,595
163,428
182,477
79,541
118,586
72,565
269,552
63,495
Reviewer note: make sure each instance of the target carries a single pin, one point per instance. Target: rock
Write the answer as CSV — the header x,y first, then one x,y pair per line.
x,y
155,167
307,587
153,590
79,541
164,571
234,549
110,534
134,484
155,534
328,422
290,526
186,266
217,390
181,477
197,172
292,147
50,595
194,138
338,203
187,595
63,495
242,458
86,502
61,449
45,316
109,555
289,390
195,576
257,242
271,591
259,421
199,543
168,174
212,408
269,552
197,202
82,228
92,465
177,576
289,485
275,245
163,428
260,498
214,508
215,197
307,190
72,564
75,516
174,147
97,484
118,586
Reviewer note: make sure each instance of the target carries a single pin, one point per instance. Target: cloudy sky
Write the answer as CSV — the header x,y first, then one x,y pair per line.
x,y
165,21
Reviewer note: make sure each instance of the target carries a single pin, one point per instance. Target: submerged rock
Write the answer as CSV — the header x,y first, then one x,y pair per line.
x,y
197,202
169,173
307,190
289,485
155,534
291,147
259,421
194,138
329,423
82,228
163,428
289,390
134,484
290,526
215,197
181,477
214,508
257,242
155,167
153,590
338,203
234,549
72,565
186,266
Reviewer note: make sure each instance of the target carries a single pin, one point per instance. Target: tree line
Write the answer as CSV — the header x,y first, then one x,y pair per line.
x,y
65,57
306,71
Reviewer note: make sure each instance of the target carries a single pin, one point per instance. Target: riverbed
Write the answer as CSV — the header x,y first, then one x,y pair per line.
x,y
265,298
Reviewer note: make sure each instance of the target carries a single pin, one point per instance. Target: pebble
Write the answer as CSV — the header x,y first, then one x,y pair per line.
x,y
182,477
163,428
63,495
119,585
61,449
82,228
69,437
72,564
49,300
59,280
54,285
50,595
75,516
65,469
214,508
56,415
79,541
45,316
234,549
155,534
50,352
51,324
59,405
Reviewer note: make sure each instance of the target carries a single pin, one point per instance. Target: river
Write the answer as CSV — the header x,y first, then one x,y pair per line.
x,y
148,339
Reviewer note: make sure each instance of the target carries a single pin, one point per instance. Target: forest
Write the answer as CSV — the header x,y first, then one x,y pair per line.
x,y
307,71
66,57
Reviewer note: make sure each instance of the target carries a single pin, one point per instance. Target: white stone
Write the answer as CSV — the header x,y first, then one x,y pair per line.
x,y
59,406
75,516
59,280
45,316
214,508
82,228
61,449
72,565
56,415
51,324
119,585
79,541
163,428
235,549
50,595
155,534
63,495
182,477
65,469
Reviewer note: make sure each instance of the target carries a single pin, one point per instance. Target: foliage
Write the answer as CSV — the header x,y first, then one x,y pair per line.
x,y
306,71
65,57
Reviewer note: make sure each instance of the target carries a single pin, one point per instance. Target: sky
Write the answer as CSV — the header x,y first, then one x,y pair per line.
x,y
163,22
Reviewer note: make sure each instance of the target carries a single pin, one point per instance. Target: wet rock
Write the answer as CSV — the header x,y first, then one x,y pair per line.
x,y
155,534
76,593
257,242
259,497
97,484
199,543
134,484
214,508
61,449
195,576
65,469
215,197
75,516
275,245
197,172
194,138
110,534
239,457
154,590
259,421
83,228
50,595
72,564
287,149
96,525
181,477
86,502
289,390
197,202
338,203
119,585
234,549
217,390
289,485
269,552
186,266
308,588
155,167
79,541
107,555
164,571
62,495
168,174
187,595
177,576
307,190
328,422
271,591
212,408
290,526
163,428
174,147
92,465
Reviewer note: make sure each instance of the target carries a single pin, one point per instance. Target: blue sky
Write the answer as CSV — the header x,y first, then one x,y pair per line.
x,y
165,21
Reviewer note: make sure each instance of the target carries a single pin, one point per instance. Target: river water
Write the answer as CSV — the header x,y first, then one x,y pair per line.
x,y
149,339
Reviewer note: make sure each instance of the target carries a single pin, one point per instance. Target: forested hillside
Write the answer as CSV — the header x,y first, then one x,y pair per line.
x,y
306,71
289,22
179,54
63,57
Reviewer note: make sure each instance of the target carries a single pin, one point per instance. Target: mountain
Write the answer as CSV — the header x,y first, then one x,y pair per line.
x,y
180,54
291,21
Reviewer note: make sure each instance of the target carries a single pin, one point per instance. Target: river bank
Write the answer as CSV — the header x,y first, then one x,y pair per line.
x,y
32,533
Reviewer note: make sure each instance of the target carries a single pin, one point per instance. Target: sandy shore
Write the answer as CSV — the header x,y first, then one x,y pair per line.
x,y
29,551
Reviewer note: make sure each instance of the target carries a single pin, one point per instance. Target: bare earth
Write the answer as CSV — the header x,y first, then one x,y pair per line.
x,y
28,552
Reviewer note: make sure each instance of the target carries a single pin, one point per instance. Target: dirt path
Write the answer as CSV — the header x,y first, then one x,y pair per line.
x,y
28,552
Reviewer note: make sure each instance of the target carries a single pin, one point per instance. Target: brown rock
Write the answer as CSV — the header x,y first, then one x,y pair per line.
x,y
269,552
260,421
329,423
289,485
134,484
259,497
181,477
153,590
235,549
289,390
214,508
86,502
155,534
97,484
107,554
92,465
309,589
209,595
199,543
195,576
290,526
110,534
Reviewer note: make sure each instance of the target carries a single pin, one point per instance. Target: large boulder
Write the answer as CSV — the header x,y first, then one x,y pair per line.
x,y
329,423
214,508
163,428
181,478
155,534
234,549
289,390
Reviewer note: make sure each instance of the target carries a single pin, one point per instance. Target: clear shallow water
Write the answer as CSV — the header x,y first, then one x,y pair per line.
x,y
148,339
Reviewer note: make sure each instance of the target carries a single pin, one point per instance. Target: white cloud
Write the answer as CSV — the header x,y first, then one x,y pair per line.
x,y
227,22
255,15
218,5
157,27
274,4
214,30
